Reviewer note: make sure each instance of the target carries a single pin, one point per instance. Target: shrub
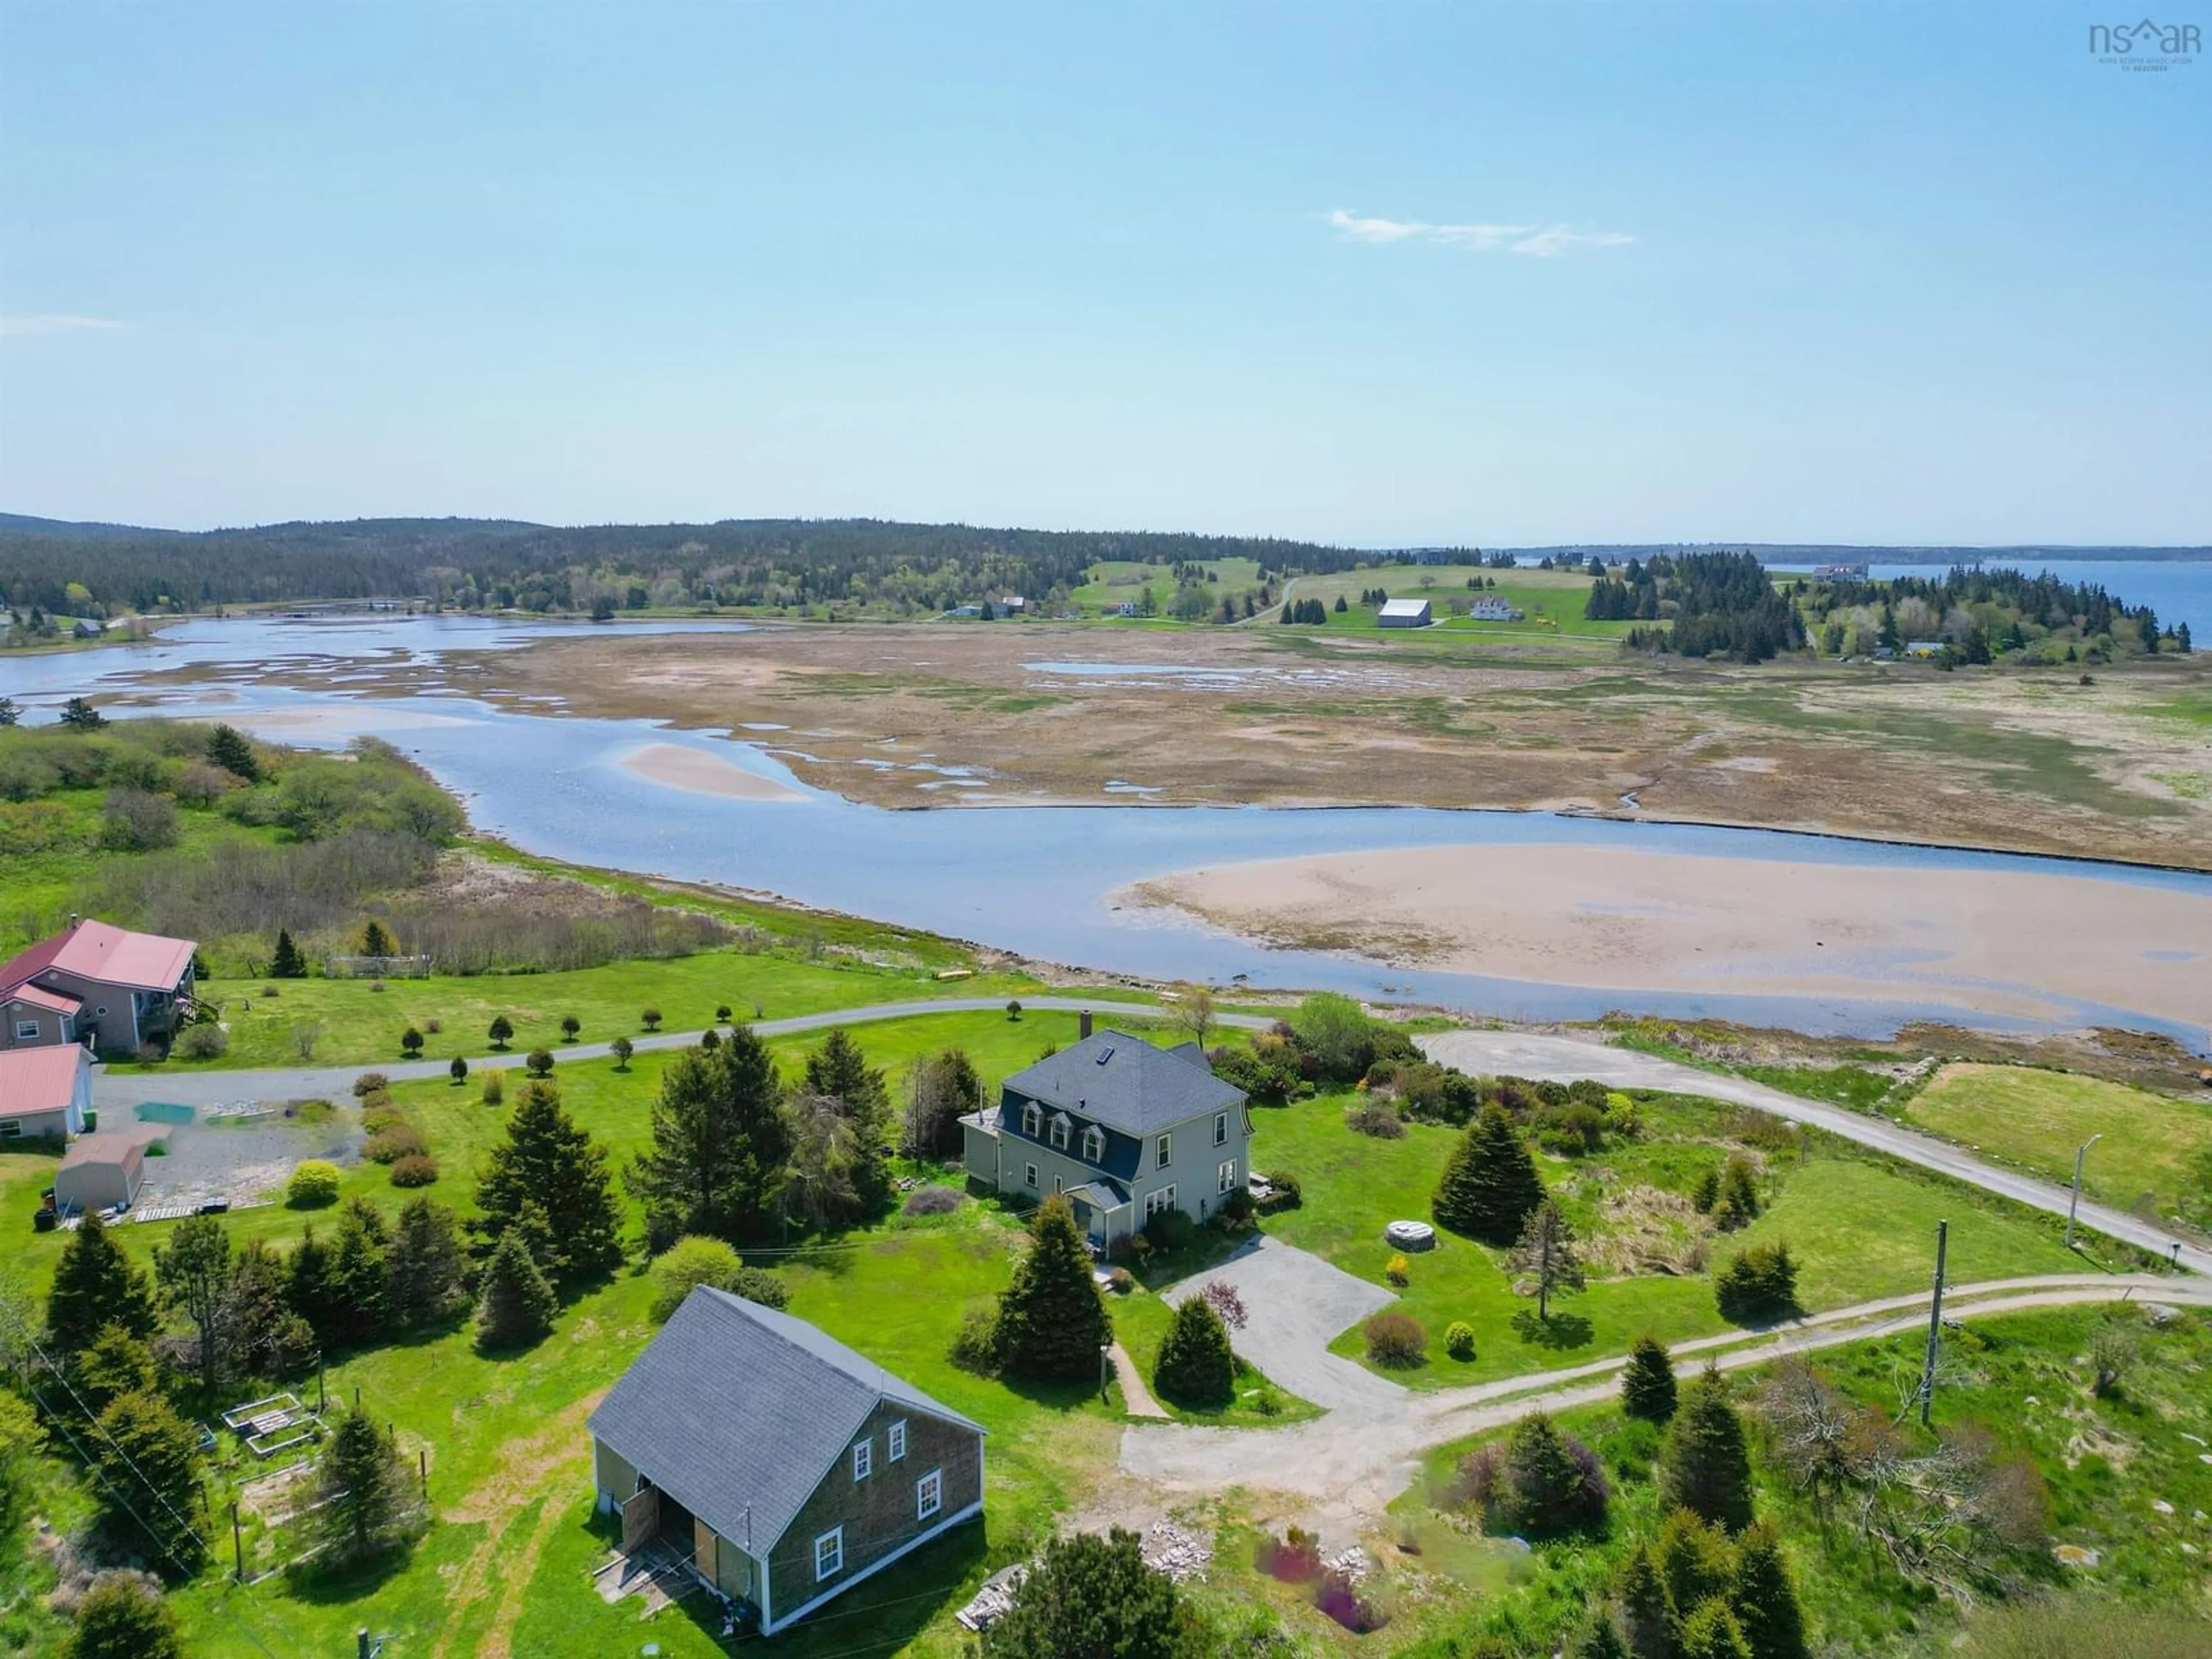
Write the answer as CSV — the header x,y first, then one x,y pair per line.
x,y
1284,1193
1396,1340
393,1142
622,1047
1761,1284
414,1170
1459,1339
758,1284
202,1043
1377,1118
494,1091
1171,1230
411,1042
1119,1281
378,1101
1398,1270
432,1027
459,1070
1573,1130
1227,1301
1548,1483
691,1262
539,1063
722,1014
932,1201
1264,1083
650,1018
377,1119
570,1026
371,1082
1194,1367
313,1184
975,1344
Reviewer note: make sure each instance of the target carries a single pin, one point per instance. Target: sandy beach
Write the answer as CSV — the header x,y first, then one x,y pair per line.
x,y
2002,943
679,768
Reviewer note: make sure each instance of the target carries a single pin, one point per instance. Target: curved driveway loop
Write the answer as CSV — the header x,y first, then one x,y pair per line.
x,y
1295,1305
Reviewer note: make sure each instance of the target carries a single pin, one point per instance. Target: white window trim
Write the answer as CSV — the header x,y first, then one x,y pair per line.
x,y
10,1129
1059,1183
1225,1178
1163,1151
1094,1145
1032,1170
835,1541
1059,1134
896,1434
864,1459
929,1494
1159,1200
27,1030
1032,1120
1221,1128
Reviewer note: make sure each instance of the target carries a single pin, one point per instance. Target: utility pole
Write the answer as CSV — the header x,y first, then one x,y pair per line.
x,y
1934,1326
237,1545
2075,1202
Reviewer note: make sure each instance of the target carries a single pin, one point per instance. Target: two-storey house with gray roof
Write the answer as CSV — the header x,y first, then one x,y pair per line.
x,y
783,1466
1122,1129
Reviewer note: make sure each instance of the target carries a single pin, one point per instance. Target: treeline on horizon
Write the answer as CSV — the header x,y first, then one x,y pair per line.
x,y
107,569
1730,604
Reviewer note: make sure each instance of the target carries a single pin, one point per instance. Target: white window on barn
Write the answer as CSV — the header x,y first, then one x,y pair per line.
x,y
928,1495
1163,1151
1094,1145
1226,1177
895,1436
863,1458
830,1554
1221,1128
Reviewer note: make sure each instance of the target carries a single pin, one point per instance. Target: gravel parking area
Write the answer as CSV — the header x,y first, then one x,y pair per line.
x,y
1297,1302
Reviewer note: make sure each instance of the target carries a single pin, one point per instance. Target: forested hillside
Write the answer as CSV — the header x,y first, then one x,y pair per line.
x,y
472,562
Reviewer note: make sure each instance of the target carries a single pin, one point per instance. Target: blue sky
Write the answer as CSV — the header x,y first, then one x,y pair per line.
x,y
1381,273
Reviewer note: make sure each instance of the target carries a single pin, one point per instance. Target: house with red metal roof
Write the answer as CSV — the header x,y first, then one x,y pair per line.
x,y
107,987
44,1092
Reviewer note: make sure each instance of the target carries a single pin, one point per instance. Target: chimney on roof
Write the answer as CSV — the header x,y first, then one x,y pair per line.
x,y
74,918
1082,1021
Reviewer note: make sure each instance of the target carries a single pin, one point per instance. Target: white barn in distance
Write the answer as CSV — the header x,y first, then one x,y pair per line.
x,y
1404,613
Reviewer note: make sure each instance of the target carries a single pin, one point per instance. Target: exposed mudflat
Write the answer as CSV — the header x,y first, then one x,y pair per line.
x,y
2007,943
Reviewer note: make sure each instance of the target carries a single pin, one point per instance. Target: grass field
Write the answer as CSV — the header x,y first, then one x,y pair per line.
x,y
1859,1228
2105,1462
1114,582
1552,599
503,1570
2037,1120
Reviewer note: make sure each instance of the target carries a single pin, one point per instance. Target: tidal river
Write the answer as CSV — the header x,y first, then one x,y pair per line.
x,y
1041,881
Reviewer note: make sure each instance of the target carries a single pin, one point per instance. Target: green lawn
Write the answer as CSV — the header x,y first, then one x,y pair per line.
x,y
1552,599
1112,582
1860,1227
2037,1119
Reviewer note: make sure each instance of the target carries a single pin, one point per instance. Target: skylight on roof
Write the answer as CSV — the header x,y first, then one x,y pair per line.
x,y
1106,1054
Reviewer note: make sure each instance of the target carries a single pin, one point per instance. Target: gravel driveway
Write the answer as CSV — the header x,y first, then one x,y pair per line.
x,y
1296,1303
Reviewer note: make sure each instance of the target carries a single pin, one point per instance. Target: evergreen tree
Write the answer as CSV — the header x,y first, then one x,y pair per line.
x,y
719,1144
364,1487
1600,1639
1646,1619
1695,1561
503,1029
149,1460
115,1364
548,1160
376,942
1546,1488
1052,1320
839,1070
95,1286
192,1268
1765,1600
1194,1367
227,747
1706,1468
1089,1597
939,1091
1490,1186
516,1305
286,962
426,1264
308,1284
1711,1633
1736,1205
1647,1387
360,1277
124,1616
1546,1252
267,1338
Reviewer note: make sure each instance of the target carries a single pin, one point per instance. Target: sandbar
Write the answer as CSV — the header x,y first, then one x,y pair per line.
x,y
2019,945
679,768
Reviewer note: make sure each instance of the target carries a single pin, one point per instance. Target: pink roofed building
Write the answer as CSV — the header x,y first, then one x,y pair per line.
x,y
106,986
44,1092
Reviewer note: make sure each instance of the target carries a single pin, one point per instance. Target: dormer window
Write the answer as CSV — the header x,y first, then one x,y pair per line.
x,y
1094,1145
1032,1120
1060,1133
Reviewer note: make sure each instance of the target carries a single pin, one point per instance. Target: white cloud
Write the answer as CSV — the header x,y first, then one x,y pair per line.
x,y
1546,244
54,323
1551,243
